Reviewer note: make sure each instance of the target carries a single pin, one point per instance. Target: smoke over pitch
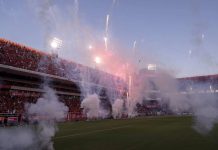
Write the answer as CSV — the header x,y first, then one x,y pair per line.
x,y
49,110
206,113
92,108
117,108
198,99
203,106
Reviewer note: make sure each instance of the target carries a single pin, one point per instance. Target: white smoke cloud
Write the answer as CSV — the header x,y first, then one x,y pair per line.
x,y
92,108
205,111
19,138
206,116
48,109
48,106
117,108
203,106
130,106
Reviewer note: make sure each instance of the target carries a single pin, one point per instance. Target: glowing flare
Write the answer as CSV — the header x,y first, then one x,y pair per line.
x,y
55,43
97,60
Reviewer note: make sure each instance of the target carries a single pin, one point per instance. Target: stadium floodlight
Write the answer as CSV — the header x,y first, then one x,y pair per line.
x,y
152,67
97,60
55,43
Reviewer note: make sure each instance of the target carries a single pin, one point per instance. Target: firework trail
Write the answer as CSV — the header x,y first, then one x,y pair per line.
x,y
106,31
107,23
134,46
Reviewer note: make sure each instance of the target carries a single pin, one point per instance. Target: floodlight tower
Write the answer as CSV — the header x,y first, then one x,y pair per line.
x,y
55,45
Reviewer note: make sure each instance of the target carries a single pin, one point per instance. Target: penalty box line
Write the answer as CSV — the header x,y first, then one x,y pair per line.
x,y
95,131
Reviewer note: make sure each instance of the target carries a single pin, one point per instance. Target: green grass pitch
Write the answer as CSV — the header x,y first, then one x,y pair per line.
x,y
156,133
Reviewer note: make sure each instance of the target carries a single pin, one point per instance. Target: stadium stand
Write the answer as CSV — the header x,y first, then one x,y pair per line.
x,y
207,84
22,73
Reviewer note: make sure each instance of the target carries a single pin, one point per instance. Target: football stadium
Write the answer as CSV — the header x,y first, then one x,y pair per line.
x,y
64,87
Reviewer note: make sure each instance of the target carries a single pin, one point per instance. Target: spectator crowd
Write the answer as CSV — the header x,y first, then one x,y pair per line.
x,y
20,56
